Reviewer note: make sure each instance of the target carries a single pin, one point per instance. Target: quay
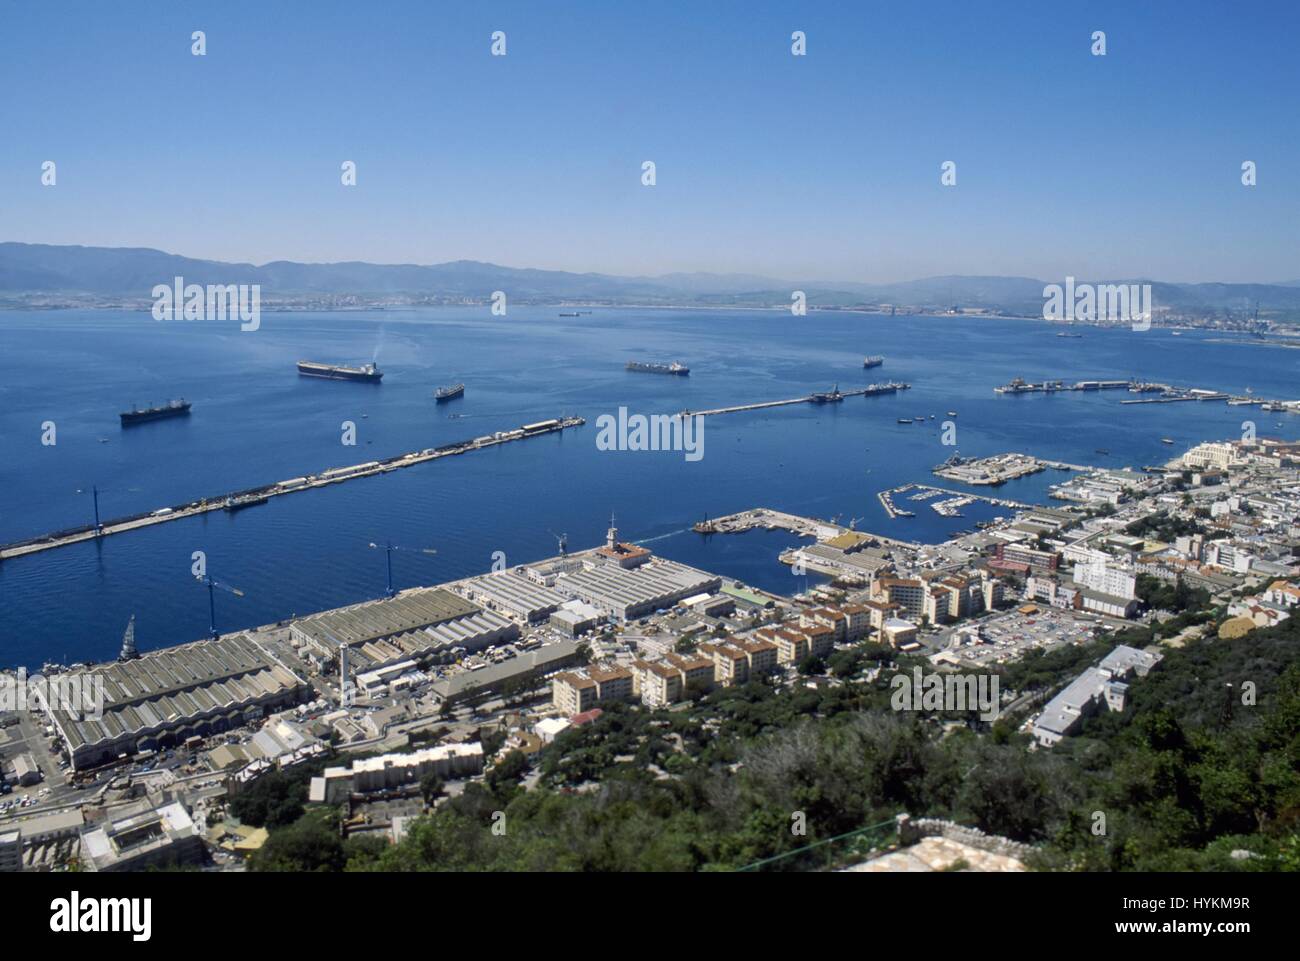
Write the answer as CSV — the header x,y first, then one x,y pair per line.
x,y
830,397
768,519
258,495
1163,393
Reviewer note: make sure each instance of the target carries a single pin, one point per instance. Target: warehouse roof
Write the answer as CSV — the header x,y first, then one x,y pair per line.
x,y
376,620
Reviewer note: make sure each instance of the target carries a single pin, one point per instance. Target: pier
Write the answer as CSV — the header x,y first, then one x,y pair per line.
x,y
767,519
257,495
1163,393
830,397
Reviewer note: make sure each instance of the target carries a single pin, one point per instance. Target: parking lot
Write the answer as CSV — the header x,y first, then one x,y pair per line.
x,y
1008,636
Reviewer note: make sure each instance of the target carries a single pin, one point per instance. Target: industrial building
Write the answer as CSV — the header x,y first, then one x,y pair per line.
x,y
412,625
492,678
167,696
162,836
513,594
626,594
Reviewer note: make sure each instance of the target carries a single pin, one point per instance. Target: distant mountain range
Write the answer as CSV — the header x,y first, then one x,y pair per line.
x,y
49,275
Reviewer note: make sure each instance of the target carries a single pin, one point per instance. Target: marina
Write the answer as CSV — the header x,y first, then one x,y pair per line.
x,y
950,507
237,500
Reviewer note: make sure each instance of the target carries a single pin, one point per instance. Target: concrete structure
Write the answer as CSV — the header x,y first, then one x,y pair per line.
x,y
391,771
1084,696
160,837
166,696
898,632
575,618
26,771
389,630
625,594
514,595
11,850
493,678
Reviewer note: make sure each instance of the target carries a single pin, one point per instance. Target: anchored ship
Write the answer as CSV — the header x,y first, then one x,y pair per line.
x,y
875,360
173,408
367,372
674,368
827,397
239,503
448,392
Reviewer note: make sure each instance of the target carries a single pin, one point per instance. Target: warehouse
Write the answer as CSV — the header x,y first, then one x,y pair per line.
x,y
517,596
628,594
383,631
163,698
494,677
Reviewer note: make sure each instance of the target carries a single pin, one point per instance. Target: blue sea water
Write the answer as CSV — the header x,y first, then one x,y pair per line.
x,y
256,421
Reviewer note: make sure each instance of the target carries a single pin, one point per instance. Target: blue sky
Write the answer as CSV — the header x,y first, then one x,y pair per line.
x,y
816,167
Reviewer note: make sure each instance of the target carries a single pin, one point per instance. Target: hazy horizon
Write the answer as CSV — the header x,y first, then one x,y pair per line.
x,y
825,166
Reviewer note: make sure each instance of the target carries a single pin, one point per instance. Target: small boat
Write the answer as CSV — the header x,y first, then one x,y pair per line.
x,y
905,420
448,392
1102,450
1166,440
952,413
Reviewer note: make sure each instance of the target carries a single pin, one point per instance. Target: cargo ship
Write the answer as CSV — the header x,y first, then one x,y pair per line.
x,y
367,372
680,370
827,397
875,360
447,393
173,408
233,504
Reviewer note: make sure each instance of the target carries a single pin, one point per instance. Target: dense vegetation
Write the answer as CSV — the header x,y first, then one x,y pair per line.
x,y
1191,771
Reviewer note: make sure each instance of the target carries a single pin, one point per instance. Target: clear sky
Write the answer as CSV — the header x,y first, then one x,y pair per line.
x,y
817,167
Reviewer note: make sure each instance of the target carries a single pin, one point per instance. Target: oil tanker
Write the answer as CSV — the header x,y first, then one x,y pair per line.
x,y
367,372
875,360
173,408
447,393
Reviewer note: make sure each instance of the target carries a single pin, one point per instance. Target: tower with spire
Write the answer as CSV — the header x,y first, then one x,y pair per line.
x,y
611,535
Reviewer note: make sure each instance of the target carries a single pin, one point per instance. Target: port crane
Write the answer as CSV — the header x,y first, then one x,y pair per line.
x,y
94,492
213,585
388,548
563,541
853,523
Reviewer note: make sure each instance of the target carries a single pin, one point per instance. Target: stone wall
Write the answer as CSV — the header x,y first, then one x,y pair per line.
x,y
911,830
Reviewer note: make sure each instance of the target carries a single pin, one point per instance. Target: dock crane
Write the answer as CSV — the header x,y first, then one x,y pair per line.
x,y
214,585
563,541
853,523
388,548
